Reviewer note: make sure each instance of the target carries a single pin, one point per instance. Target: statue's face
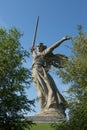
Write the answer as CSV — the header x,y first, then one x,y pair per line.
x,y
39,48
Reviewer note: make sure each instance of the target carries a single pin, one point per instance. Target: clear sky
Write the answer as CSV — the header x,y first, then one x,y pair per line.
x,y
58,18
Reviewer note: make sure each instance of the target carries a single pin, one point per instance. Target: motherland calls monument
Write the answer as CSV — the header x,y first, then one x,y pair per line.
x,y
52,103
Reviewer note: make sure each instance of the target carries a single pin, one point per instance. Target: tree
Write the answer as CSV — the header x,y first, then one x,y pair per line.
x,y
75,73
14,78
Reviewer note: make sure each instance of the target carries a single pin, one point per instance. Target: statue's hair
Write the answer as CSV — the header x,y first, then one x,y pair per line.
x,y
41,44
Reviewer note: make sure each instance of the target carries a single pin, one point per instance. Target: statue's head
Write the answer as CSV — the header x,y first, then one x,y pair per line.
x,y
40,47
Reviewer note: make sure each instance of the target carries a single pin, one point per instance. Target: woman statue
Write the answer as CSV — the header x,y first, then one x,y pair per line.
x,y
50,99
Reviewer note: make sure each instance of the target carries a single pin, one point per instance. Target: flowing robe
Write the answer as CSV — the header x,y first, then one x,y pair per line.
x,y
48,94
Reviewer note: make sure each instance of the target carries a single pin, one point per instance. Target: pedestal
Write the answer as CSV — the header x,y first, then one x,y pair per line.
x,y
45,119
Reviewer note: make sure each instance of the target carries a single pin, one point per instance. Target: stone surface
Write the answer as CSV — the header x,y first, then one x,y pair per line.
x,y
45,119
52,112
49,96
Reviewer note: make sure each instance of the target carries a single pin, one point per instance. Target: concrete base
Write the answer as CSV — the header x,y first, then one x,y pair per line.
x,y
45,119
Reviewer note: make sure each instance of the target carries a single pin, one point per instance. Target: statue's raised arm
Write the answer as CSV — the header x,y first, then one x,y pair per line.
x,y
55,45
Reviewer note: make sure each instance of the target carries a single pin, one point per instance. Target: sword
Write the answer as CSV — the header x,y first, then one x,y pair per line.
x,y
35,33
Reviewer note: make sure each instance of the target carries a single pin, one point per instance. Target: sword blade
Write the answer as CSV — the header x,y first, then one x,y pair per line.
x,y
35,32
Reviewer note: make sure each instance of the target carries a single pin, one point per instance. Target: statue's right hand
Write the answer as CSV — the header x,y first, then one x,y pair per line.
x,y
32,49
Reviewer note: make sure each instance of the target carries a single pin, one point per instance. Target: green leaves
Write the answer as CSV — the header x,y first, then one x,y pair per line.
x,y
75,74
14,78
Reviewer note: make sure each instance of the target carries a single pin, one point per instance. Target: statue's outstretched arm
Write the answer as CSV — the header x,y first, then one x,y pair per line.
x,y
55,45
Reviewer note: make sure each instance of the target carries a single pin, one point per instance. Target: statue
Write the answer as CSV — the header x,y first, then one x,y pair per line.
x,y
52,103
50,99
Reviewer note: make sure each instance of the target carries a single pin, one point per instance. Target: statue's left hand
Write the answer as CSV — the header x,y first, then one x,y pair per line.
x,y
66,38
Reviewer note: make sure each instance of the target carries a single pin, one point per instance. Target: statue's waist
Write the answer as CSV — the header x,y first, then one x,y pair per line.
x,y
37,65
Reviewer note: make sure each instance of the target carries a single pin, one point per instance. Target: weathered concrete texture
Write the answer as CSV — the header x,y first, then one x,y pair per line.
x,y
52,113
45,119
49,96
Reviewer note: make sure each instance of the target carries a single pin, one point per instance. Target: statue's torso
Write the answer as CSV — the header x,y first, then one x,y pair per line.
x,y
38,61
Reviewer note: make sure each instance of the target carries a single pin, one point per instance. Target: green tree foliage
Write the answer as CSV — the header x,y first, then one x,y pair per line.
x,y
75,73
14,78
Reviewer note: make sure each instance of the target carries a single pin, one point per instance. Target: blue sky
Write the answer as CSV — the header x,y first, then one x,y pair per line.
x,y
58,18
